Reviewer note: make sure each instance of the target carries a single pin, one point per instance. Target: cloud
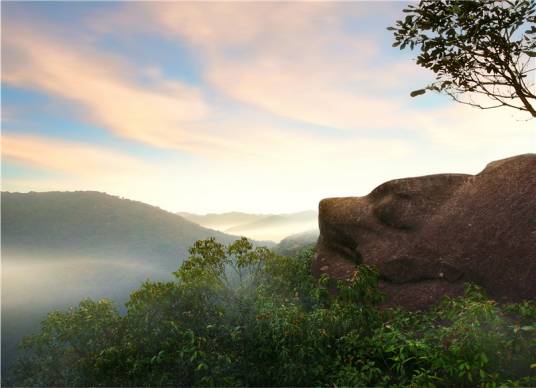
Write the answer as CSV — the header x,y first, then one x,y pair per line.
x,y
165,113
295,60
72,158
105,88
308,62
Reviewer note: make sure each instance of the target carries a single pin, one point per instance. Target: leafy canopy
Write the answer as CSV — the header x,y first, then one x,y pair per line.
x,y
243,316
482,52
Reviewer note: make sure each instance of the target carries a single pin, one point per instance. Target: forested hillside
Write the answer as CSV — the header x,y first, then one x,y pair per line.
x,y
292,244
60,247
93,224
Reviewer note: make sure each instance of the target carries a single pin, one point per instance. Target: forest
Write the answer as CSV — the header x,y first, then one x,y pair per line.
x,y
242,316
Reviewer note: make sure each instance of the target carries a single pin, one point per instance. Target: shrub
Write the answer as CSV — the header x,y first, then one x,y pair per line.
x,y
239,315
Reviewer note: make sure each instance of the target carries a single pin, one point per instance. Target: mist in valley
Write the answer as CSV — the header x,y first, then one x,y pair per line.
x,y
33,286
262,227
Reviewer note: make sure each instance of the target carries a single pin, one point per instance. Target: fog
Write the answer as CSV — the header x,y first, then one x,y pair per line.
x,y
274,233
261,227
34,286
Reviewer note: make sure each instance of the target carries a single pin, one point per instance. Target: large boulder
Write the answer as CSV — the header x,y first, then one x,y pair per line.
x,y
429,235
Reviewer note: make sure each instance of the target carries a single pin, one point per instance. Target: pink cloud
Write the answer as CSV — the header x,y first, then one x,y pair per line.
x,y
295,60
105,88
74,158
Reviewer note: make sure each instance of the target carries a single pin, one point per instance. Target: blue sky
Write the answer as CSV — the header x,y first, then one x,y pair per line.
x,y
212,107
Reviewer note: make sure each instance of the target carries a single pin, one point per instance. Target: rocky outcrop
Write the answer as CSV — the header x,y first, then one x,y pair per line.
x,y
429,235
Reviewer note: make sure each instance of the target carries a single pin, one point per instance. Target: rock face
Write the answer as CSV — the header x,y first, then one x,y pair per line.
x,y
429,235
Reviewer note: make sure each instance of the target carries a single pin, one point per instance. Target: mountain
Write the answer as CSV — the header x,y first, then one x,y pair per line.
x,y
291,245
222,221
273,227
93,224
279,226
61,247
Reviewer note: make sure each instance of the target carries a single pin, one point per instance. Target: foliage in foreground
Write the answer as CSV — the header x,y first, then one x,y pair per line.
x,y
242,316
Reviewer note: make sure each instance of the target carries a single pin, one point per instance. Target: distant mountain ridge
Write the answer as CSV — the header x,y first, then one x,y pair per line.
x,y
222,221
94,224
291,245
272,227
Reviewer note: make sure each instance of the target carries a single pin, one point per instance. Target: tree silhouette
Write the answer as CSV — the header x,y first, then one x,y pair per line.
x,y
482,52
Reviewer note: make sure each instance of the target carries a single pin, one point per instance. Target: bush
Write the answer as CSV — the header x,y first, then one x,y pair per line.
x,y
244,316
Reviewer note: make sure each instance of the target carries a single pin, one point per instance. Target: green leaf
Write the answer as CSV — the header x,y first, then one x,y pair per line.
x,y
416,93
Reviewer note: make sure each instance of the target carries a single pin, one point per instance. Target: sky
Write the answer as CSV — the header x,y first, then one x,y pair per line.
x,y
215,107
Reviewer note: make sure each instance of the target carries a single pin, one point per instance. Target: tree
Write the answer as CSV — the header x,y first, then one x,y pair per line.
x,y
243,316
68,349
482,52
